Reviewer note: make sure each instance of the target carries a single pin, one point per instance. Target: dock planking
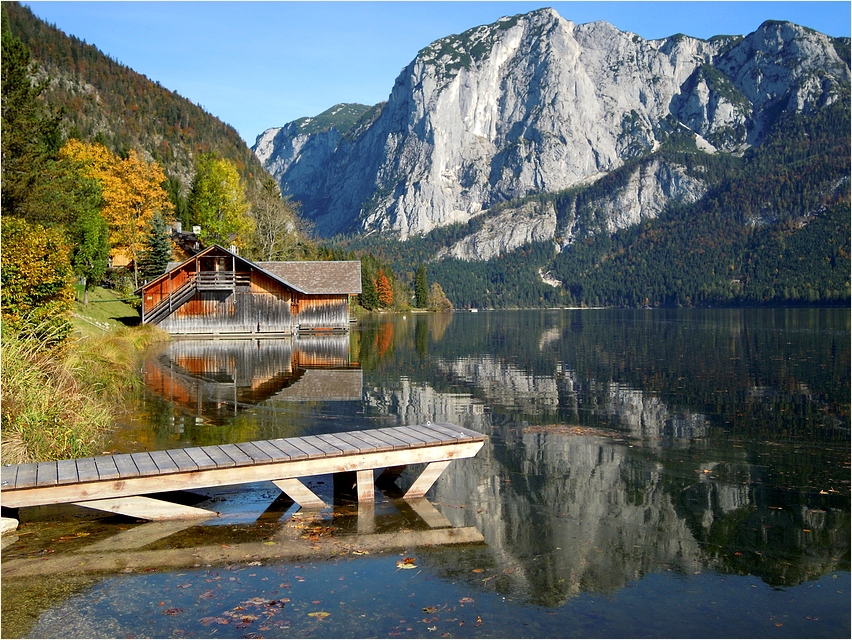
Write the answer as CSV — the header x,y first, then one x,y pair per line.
x,y
109,482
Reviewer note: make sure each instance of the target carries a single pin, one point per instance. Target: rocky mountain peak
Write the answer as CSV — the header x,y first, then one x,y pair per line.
x,y
535,104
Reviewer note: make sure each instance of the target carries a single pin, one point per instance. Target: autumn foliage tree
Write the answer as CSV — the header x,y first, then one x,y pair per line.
x,y
384,289
133,194
36,277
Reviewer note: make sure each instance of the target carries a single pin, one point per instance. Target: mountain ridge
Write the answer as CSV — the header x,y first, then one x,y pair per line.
x,y
471,122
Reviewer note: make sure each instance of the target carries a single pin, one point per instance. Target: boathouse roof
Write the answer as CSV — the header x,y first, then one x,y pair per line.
x,y
311,277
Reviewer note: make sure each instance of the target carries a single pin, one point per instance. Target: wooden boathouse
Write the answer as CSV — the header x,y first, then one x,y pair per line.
x,y
219,292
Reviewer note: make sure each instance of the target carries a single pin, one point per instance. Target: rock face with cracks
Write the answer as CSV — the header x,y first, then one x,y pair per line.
x,y
536,104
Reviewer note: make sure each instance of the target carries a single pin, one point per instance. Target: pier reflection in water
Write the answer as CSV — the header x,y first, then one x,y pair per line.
x,y
662,473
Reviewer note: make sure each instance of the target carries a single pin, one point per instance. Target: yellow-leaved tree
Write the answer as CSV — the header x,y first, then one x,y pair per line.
x,y
133,194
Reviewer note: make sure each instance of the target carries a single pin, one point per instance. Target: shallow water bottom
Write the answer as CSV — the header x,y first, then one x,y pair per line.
x,y
262,570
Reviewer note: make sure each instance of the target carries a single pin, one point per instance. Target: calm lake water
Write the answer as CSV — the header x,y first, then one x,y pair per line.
x,y
676,474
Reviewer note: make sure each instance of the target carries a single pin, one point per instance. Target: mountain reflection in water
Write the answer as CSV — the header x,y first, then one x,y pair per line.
x,y
622,445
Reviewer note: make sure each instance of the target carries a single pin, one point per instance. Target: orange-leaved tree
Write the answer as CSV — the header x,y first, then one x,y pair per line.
x,y
132,195
384,289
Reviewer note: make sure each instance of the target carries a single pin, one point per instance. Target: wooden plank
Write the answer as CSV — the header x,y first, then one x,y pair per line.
x,y
326,448
395,442
362,445
46,474
307,447
426,479
451,434
406,440
464,434
289,448
340,443
86,470
275,454
370,438
125,465
164,462
254,452
144,464
26,475
66,471
200,458
426,438
300,494
8,473
428,429
147,508
106,468
218,456
366,486
239,458
182,460
93,490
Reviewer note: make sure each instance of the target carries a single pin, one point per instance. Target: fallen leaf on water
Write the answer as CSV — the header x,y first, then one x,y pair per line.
x,y
316,601
319,614
172,611
406,563
432,628
466,600
430,609
478,621
184,586
360,552
477,570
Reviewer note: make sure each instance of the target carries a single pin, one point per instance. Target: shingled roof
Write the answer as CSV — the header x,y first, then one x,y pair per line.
x,y
318,276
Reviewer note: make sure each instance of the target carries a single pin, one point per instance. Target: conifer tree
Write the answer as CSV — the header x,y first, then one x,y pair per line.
x,y
421,288
158,249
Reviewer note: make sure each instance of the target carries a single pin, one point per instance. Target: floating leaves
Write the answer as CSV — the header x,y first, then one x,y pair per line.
x,y
406,563
319,615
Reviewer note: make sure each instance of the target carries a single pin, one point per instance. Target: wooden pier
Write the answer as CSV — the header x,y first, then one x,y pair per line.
x,y
123,483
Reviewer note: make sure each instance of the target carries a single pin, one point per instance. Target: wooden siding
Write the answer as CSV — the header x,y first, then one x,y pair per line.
x,y
219,293
231,312
322,311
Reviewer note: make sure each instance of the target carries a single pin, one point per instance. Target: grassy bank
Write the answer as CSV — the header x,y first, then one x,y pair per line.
x,y
59,402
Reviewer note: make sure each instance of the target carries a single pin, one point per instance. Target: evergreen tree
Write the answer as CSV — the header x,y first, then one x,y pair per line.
x,y
158,249
421,288
29,133
369,296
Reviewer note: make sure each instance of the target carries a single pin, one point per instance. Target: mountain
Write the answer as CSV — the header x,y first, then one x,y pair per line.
x,y
111,103
536,104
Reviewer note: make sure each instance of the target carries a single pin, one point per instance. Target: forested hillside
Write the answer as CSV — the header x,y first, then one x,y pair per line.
x,y
109,102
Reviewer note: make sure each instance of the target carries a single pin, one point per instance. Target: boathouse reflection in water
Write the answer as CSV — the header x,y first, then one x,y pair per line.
x,y
216,379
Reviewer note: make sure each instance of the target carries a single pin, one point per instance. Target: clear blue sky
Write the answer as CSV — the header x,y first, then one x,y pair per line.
x,y
257,65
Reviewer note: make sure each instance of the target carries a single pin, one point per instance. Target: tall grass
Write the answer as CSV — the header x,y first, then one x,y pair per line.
x,y
58,401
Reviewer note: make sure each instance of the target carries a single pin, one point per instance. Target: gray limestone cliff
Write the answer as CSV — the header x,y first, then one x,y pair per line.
x,y
534,104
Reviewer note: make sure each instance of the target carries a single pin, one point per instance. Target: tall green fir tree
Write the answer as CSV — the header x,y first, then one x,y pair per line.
x,y
158,249
421,288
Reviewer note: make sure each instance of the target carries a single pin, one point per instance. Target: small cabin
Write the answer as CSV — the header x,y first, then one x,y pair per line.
x,y
218,292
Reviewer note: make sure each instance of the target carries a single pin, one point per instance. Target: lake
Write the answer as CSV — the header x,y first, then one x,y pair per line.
x,y
647,473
